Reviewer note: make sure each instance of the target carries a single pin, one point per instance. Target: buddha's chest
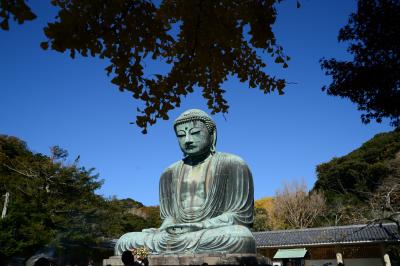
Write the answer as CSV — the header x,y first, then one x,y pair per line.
x,y
193,186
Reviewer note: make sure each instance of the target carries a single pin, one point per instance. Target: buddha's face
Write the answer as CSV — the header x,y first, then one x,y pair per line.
x,y
194,138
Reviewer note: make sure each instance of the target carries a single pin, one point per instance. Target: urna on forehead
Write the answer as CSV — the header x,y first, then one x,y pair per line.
x,y
195,115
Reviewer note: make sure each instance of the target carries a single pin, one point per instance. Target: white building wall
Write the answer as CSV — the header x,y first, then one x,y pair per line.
x,y
347,262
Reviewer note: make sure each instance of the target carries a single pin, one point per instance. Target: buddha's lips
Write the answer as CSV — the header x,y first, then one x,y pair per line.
x,y
190,147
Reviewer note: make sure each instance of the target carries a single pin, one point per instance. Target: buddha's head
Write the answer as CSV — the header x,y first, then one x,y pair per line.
x,y
196,133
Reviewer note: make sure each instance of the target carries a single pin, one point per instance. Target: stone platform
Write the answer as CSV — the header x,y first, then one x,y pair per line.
x,y
113,261
198,259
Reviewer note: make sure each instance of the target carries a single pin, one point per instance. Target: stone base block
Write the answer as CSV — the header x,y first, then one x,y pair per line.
x,y
207,259
113,261
198,259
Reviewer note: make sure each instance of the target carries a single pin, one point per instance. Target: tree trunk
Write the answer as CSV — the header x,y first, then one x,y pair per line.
x,y
4,212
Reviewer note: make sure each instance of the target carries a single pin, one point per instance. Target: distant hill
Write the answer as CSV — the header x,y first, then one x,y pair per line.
x,y
348,182
360,171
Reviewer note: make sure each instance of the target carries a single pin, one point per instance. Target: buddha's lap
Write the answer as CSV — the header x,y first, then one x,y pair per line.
x,y
136,239
238,231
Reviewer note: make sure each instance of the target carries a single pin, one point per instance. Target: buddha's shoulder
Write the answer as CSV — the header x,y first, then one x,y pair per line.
x,y
230,158
172,167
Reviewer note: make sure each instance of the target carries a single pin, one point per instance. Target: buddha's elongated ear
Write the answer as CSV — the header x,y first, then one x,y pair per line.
x,y
213,147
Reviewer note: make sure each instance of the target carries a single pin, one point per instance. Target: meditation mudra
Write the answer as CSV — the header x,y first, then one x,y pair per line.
x,y
206,199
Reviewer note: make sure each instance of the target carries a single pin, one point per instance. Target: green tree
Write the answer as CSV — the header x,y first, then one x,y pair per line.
x,y
261,220
53,201
48,199
202,41
372,78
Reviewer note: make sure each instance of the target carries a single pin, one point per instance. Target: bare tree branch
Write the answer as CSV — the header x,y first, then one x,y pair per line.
x,y
297,208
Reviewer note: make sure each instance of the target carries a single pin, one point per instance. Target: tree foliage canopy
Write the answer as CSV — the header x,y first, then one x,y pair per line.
x,y
52,201
48,200
261,219
202,41
17,9
372,78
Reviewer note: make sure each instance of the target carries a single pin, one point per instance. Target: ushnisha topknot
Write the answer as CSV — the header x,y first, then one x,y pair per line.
x,y
193,115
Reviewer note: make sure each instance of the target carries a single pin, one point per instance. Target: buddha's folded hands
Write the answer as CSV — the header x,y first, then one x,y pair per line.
x,y
184,228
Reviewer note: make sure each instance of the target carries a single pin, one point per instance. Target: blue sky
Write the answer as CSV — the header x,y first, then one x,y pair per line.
x,y
46,99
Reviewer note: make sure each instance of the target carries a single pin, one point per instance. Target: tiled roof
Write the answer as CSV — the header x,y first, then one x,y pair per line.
x,y
328,235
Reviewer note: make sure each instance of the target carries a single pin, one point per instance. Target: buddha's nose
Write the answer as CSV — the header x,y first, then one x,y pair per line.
x,y
188,140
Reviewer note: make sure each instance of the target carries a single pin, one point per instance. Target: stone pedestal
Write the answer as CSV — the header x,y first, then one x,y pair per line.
x,y
113,261
198,259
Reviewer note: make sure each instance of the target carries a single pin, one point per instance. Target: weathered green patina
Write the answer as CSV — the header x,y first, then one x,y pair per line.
x,y
206,199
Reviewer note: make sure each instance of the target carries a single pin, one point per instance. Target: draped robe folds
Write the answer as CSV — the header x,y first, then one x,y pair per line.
x,y
225,215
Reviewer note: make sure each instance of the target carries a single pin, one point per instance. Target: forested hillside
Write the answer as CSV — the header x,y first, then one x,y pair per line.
x,y
363,185
360,187
51,200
